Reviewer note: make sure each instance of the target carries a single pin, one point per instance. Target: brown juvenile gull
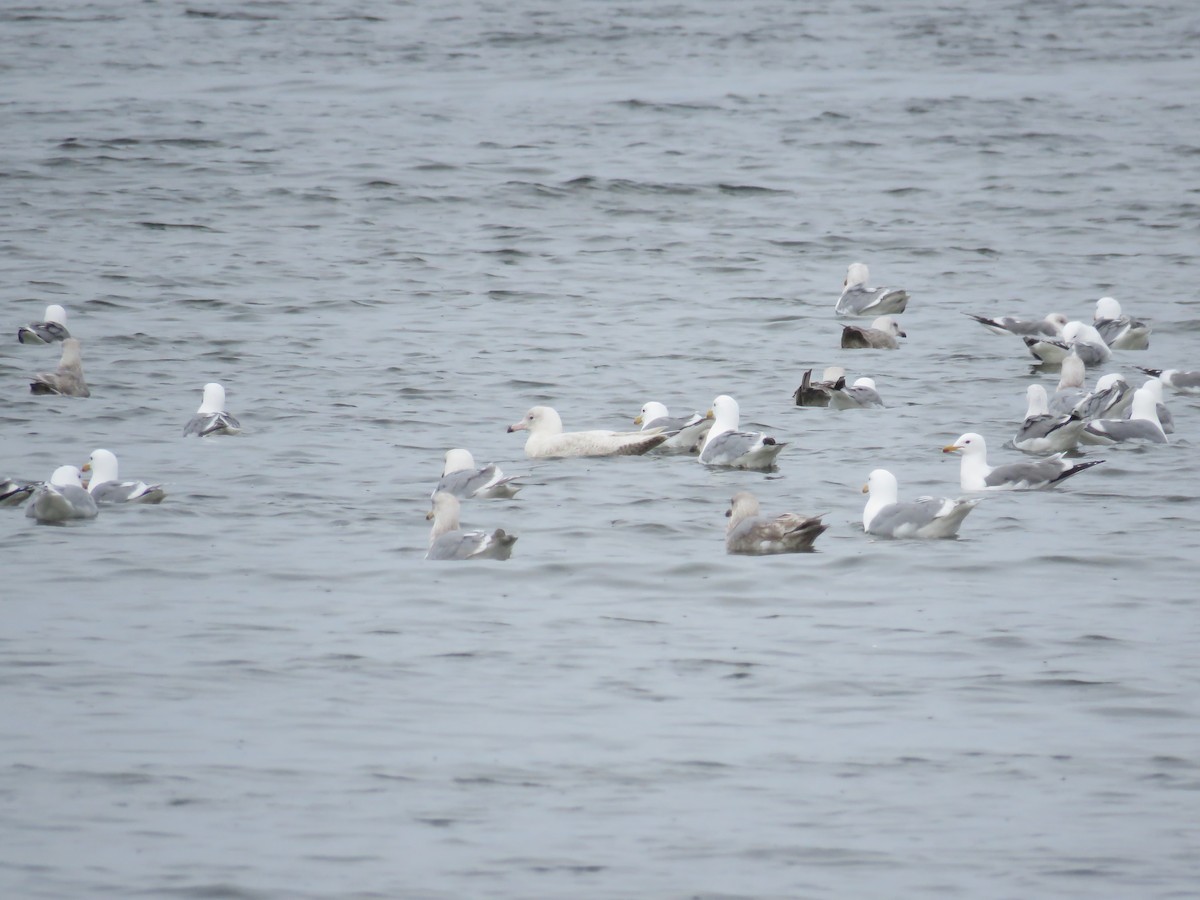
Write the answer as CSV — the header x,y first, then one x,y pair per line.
x,y
68,380
448,541
751,532
926,517
816,393
859,300
547,440
880,336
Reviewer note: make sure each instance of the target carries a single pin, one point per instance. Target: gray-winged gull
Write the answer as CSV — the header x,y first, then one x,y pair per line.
x,y
14,493
53,328
858,299
1070,385
68,379
687,432
1165,419
1119,331
1077,337
976,475
750,532
62,498
1177,379
1051,326
926,517
448,541
728,447
211,418
1109,399
462,478
880,336
860,395
1043,432
106,487
547,440
1142,424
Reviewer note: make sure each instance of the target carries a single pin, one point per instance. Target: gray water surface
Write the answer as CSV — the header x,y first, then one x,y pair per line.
x,y
390,229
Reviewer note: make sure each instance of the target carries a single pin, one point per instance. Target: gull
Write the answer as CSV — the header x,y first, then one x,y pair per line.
x,y
105,486
1042,432
68,379
461,478
859,300
547,439
211,418
1183,382
860,395
1142,424
976,475
62,499
53,328
816,393
687,432
926,517
448,541
1077,337
880,336
1051,326
726,446
752,533
1119,331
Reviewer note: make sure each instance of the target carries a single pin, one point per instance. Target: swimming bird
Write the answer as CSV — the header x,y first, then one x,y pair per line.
x,y
62,498
1183,382
1142,424
1077,337
448,541
726,446
1165,419
687,432
461,478
1051,326
1109,399
547,440
54,328
750,532
14,493
105,486
926,517
860,395
1117,330
859,300
1042,432
1070,385
211,418
880,336
68,379
976,475
816,393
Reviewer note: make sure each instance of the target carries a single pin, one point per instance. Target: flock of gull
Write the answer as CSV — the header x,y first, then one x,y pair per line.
x,y
66,497
1112,411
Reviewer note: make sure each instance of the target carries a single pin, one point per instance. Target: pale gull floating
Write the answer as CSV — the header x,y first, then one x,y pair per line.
x,y
1051,326
105,486
1165,419
62,498
548,441
860,395
1183,382
68,380
1042,432
687,432
14,493
54,328
816,393
726,446
448,541
1109,399
211,418
926,517
1142,424
859,300
1119,331
1077,337
880,336
1070,389
976,475
464,480
750,532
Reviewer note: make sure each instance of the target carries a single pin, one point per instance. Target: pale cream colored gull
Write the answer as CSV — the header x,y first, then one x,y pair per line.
x,y
880,336
752,533
62,499
687,432
976,475
1043,432
211,418
1070,389
53,328
926,517
547,440
1118,330
68,379
726,446
462,478
1142,424
449,542
858,299
106,487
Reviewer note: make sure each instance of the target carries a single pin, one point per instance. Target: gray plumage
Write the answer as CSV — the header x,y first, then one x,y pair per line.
x,y
749,532
211,418
728,447
448,542
54,328
1183,382
1051,326
1142,425
858,299
61,499
464,480
1043,432
14,493
687,433
106,486
885,515
67,380
976,475
880,336
1110,399
1118,330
